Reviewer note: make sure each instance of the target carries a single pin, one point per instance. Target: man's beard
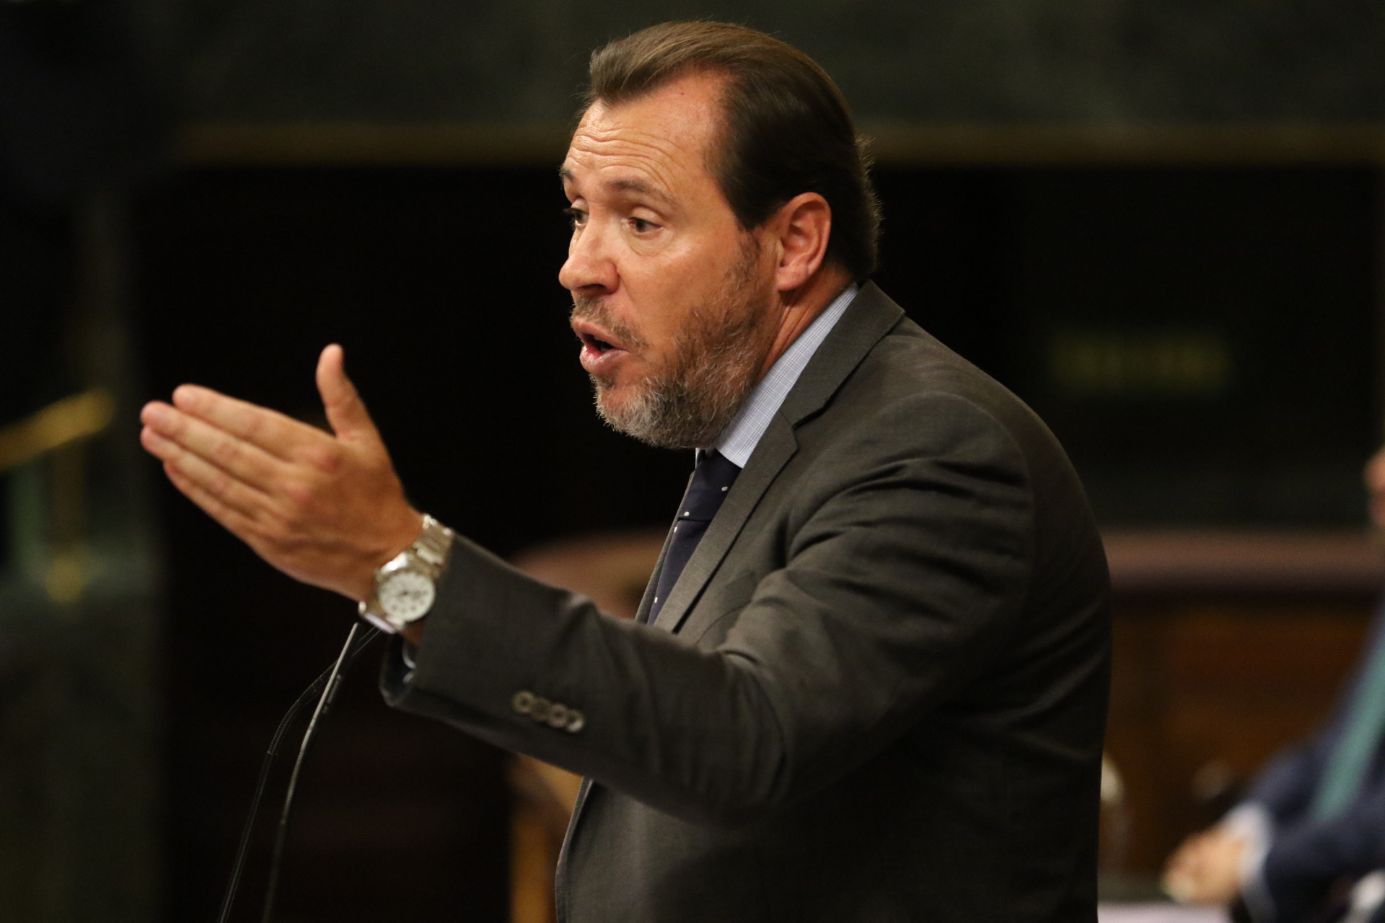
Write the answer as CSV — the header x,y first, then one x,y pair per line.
x,y
716,360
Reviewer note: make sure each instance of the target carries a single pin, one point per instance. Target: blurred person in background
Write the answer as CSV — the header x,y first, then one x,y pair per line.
x,y
1304,844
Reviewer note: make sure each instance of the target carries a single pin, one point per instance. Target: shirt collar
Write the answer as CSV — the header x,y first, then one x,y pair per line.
x,y
743,433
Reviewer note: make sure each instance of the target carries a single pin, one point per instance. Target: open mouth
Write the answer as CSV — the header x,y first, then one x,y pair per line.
x,y
602,351
596,344
596,340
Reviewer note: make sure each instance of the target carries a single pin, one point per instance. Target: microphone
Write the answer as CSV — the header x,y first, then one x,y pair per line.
x,y
328,682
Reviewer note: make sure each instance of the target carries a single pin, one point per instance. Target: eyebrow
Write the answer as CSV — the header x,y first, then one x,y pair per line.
x,y
627,185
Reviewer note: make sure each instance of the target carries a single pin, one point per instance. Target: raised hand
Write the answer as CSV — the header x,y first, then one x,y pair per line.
x,y
324,508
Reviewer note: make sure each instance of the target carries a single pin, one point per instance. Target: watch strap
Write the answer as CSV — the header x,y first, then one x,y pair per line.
x,y
427,554
432,546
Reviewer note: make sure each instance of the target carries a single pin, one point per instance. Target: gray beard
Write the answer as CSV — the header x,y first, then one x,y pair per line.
x,y
690,405
716,362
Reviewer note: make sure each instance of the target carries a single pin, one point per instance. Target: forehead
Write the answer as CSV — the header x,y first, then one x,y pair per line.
x,y
657,143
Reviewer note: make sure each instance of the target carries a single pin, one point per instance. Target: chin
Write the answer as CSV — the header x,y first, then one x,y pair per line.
x,y
609,396
612,401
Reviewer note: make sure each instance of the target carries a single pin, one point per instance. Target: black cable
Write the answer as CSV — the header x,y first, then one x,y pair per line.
x,y
328,678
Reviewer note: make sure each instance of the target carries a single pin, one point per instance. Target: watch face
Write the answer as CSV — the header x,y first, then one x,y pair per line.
x,y
406,596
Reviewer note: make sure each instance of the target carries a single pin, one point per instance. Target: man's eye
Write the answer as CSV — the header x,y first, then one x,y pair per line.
x,y
575,217
641,226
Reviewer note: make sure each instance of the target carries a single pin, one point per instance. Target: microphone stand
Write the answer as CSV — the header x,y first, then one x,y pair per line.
x,y
328,682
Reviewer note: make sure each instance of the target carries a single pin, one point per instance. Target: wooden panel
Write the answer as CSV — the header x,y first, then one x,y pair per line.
x,y
1221,659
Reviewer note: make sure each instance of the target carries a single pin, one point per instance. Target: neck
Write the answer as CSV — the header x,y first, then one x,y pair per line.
x,y
801,306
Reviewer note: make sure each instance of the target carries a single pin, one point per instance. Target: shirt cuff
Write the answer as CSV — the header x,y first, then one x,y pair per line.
x,y
1367,896
1255,827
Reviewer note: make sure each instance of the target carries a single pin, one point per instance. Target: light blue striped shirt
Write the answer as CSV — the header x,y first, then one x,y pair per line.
x,y
743,433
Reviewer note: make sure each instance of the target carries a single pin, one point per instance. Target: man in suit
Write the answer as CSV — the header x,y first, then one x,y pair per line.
x,y
1313,822
875,688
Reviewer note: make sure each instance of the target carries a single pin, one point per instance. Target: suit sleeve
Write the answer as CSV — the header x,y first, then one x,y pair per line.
x,y
1303,864
906,555
1285,788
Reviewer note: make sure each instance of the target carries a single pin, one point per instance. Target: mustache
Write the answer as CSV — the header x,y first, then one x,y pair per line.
x,y
596,311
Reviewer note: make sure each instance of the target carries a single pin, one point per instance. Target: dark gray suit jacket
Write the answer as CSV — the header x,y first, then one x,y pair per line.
x,y
877,692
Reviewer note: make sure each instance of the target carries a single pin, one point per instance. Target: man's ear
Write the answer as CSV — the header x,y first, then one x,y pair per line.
x,y
802,227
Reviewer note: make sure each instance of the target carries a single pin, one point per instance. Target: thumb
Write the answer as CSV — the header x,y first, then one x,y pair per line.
x,y
345,413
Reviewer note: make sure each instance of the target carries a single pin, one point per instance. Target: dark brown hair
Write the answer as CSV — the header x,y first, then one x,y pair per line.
x,y
786,126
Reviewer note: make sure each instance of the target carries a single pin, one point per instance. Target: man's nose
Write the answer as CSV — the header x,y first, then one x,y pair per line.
x,y
589,265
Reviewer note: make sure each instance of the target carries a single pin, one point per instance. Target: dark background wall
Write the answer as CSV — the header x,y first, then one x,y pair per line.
x,y
1160,223
1088,60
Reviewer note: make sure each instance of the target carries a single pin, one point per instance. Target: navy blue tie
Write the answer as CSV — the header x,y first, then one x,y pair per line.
x,y
711,481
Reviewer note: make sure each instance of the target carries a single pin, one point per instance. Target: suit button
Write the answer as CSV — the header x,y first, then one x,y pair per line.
x,y
523,702
557,715
575,721
539,711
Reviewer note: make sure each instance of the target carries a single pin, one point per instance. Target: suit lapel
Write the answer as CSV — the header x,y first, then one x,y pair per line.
x,y
869,317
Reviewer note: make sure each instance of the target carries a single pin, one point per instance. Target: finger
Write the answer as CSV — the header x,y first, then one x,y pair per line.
x,y
345,411
228,517
271,431
210,481
243,460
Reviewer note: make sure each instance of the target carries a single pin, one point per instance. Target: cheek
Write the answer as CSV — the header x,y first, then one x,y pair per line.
x,y
656,307
664,290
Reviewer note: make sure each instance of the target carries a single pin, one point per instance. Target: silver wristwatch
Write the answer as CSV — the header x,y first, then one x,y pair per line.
x,y
406,585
